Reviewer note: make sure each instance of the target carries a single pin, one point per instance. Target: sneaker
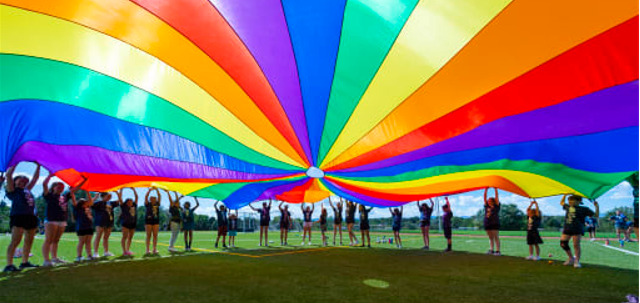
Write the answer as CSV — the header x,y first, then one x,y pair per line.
x,y
11,268
536,258
497,253
341,244
96,256
216,245
568,262
224,246
530,257
490,252
334,243
78,259
108,254
89,258
155,252
309,243
369,246
28,265
47,264
577,265
592,239
58,261
302,244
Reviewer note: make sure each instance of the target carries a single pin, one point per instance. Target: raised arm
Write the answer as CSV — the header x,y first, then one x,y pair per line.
x,y
135,195
486,189
431,201
215,206
91,199
331,204
401,209
563,199
597,206
280,206
146,197
45,185
159,196
10,184
252,208
36,176
446,199
495,191
391,211
270,203
313,207
302,206
197,203
168,195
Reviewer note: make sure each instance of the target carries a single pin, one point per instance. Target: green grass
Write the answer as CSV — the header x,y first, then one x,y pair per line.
x,y
301,274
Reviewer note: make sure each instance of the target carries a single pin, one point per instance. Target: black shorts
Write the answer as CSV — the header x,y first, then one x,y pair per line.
x,y
284,225
129,225
570,232
323,227
264,223
364,225
635,222
396,228
152,222
27,222
447,232
337,221
425,223
533,237
350,220
492,227
85,232
591,229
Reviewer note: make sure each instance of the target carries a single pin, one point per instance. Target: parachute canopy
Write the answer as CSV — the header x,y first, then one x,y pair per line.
x,y
380,102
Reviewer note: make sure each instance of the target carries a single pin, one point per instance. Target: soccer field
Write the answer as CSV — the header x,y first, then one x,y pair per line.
x,y
313,273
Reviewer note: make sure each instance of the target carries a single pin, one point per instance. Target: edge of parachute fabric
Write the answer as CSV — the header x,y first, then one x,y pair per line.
x,y
382,103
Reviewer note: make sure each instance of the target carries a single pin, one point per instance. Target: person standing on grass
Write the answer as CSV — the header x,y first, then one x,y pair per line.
x,y
492,221
175,218
103,212
307,214
265,217
337,220
396,224
128,220
22,216
233,228
619,220
84,223
188,222
152,218
323,225
591,224
533,235
285,223
364,224
425,220
447,215
574,226
351,219
223,224
55,220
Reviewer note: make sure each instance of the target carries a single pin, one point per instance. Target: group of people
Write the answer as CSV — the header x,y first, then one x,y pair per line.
x,y
94,215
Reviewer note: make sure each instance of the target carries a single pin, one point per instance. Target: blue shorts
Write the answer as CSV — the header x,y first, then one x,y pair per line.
x,y
187,226
233,233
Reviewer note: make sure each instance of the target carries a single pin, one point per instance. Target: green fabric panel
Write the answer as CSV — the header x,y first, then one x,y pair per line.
x,y
369,30
591,184
24,77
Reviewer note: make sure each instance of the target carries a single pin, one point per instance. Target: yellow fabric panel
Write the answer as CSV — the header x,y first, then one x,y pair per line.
x,y
37,35
524,35
435,32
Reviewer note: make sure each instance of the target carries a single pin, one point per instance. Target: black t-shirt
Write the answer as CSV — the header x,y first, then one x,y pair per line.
x,y
337,212
22,202
574,217
364,215
307,215
425,213
533,223
103,211
264,214
175,213
152,211
233,224
128,214
222,217
491,214
57,207
285,216
351,210
323,218
84,219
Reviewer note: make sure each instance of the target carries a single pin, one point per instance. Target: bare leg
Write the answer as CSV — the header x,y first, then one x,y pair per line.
x,y
123,240
490,240
148,228
530,250
131,232
28,242
568,251
427,233
340,232
286,236
81,240
16,237
368,239
105,239
156,227
537,250
88,244
496,239
50,231
56,241
576,247
96,241
266,235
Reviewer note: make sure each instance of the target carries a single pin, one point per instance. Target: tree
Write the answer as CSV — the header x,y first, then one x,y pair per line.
x,y
511,217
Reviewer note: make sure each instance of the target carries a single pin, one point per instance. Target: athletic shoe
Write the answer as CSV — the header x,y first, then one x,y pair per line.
x,y
11,268
79,259
490,252
497,253
530,257
216,245
108,254
536,258
58,261
155,252
89,258
28,265
334,243
96,256
568,262
47,264
224,245
309,243
302,244
592,239
341,244
171,249
577,264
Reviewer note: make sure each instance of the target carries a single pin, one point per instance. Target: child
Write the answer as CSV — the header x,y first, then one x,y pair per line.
x,y
492,221
447,215
23,220
396,216
264,221
323,225
425,221
364,224
103,212
591,224
222,224
620,222
55,220
128,220
233,229
188,222
574,226
84,223
285,223
533,235
175,218
152,218
351,219
307,214
337,220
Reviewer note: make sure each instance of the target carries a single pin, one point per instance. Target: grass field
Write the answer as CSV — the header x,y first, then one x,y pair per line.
x,y
313,273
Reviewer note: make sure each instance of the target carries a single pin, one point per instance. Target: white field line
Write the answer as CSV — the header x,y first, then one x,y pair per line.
x,y
619,249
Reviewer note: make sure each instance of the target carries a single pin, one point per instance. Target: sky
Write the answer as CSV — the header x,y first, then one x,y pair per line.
x,y
463,205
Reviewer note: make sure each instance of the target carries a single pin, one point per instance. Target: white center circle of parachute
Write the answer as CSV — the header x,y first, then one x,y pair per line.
x,y
314,172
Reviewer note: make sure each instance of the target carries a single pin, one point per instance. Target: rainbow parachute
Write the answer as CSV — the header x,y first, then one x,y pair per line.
x,y
381,102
